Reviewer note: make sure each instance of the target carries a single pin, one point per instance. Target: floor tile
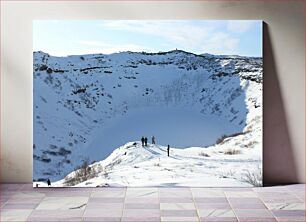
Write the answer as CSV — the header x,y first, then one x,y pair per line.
x,y
178,213
177,206
179,219
3,200
281,200
216,213
140,219
278,198
289,213
98,205
291,219
142,213
256,219
27,187
247,200
253,213
142,193
278,189
5,196
20,206
103,212
25,200
63,203
15,214
207,192
237,189
27,194
68,193
174,189
110,192
218,219
142,200
236,205
296,187
101,219
141,206
240,194
175,192
10,186
176,200
300,195
105,200
210,200
225,205
54,219
285,206
56,214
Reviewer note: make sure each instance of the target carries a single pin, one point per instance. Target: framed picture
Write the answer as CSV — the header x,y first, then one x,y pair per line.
x,y
147,103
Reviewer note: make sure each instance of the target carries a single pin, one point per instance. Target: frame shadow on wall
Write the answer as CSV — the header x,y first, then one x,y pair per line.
x,y
278,161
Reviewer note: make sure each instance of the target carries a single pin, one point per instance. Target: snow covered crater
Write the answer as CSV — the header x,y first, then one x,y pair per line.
x,y
87,106
179,127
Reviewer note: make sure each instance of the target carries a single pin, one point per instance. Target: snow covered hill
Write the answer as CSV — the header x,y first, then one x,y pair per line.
x,y
134,165
81,102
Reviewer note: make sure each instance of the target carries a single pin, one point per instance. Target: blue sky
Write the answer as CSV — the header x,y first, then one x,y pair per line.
x,y
75,37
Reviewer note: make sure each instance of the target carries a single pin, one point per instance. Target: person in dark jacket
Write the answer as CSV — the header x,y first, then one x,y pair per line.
x,y
146,141
142,141
168,150
153,139
49,182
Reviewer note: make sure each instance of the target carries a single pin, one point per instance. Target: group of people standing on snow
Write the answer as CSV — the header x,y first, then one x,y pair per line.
x,y
144,142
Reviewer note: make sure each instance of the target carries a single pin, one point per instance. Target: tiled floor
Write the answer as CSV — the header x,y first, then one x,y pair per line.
x,y
20,202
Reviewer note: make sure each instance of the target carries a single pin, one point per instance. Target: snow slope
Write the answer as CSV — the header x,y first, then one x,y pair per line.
x,y
81,101
134,165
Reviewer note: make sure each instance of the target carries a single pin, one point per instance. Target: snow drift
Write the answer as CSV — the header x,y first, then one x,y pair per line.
x,y
134,165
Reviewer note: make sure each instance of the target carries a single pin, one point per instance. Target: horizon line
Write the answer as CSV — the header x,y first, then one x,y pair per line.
x,y
147,53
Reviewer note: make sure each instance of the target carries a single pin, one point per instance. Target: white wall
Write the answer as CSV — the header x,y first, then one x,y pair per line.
x,y
284,72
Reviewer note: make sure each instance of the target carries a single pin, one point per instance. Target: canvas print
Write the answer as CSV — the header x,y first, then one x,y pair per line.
x,y
142,103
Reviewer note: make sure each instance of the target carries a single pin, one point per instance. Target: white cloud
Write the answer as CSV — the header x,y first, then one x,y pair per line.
x,y
92,43
220,43
106,48
93,47
240,26
181,33
185,35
